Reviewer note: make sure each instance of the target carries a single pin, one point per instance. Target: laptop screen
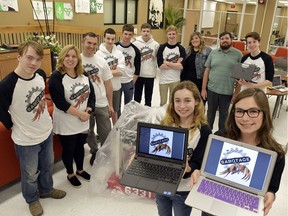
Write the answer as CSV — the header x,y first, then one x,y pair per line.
x,y
162,141
238,164
276,80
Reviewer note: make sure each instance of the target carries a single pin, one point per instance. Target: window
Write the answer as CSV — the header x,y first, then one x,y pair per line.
x,y
120,12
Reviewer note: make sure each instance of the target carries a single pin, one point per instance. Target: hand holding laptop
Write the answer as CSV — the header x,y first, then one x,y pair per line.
x,y
243,82
194,177
268,201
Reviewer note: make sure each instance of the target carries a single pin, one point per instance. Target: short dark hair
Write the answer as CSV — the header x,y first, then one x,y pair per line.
x,y
128,27
90,34
225,33
109,31
254,35
145,25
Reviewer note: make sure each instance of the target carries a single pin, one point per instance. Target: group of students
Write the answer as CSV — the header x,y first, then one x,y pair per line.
x,y
79,78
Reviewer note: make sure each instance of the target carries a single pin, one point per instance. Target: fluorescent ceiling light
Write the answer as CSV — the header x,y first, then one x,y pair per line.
x,y
283,2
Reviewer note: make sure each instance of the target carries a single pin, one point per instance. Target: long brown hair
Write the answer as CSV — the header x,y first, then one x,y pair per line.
x,y
202,43
264,134
171,118
60,64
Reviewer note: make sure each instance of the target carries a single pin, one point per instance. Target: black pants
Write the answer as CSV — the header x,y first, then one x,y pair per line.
x,y
73,149
148,84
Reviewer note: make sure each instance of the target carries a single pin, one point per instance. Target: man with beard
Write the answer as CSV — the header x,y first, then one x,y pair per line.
x,y
218,86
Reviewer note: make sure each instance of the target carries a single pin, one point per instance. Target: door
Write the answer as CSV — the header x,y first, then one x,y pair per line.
x,y
231,22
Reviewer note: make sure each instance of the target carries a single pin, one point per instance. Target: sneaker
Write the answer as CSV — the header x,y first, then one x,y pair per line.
x,y
35,208
74,181
92,159
84,175
54,193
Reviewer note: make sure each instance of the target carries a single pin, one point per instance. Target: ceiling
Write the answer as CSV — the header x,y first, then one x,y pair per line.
x,y
281,3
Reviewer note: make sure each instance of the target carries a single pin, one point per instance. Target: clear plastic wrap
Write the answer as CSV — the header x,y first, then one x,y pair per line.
x,y
114,156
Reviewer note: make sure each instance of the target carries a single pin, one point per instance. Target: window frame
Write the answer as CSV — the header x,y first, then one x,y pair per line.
x,y
125,12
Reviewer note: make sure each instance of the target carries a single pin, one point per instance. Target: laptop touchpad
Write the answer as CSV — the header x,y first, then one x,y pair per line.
x,y
219,208
149,185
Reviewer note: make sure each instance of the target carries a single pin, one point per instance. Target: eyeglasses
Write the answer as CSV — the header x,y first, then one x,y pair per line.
x,y
252,113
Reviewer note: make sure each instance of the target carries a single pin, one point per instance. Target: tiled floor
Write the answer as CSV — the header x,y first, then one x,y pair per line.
x,y
82,202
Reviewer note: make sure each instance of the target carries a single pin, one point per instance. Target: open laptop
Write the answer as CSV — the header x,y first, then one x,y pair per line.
x,y
160,159
243,71
239,171
277,83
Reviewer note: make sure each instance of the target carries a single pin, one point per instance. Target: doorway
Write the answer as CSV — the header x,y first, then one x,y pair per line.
x,y
231,22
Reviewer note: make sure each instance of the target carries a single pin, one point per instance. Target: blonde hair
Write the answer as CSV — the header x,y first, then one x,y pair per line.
x,y
171,28
60,64
171,118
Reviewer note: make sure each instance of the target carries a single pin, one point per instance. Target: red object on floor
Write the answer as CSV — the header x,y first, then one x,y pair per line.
x,y
113,184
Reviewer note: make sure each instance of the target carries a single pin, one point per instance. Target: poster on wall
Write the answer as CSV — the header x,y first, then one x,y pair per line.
x,y
63,11
96,6
89,6
156,13
8,5
82,6
39,11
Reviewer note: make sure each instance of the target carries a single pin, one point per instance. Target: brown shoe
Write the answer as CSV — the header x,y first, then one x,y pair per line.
x,y
36,208
54,193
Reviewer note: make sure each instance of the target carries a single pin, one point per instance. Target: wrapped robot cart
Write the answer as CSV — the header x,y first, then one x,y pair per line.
x,y
113,157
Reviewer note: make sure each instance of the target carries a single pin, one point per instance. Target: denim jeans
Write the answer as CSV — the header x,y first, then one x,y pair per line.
x,y
128,89
165,204
36,166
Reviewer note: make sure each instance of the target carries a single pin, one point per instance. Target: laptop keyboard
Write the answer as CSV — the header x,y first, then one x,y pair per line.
x,y
154,171
229,195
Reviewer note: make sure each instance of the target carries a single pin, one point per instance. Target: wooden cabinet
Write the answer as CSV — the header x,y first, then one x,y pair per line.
x,y
8,62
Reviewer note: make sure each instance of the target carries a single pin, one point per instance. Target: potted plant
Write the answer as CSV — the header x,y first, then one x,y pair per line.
x,y
174,16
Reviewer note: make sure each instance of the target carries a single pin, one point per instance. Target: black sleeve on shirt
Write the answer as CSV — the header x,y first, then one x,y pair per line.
x,y
42,73
57,91
160,59
137,60
269,67
182,54
197,157
7,86
243,59
276,175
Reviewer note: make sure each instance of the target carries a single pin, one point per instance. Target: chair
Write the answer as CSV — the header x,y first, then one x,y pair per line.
x,y
281,52
240,45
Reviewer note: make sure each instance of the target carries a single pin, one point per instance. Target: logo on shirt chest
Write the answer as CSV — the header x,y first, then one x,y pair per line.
x,y
79,93
36,102
112,62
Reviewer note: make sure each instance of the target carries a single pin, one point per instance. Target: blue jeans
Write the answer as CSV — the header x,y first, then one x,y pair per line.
x,y
128,89
36,166
165,204
216,100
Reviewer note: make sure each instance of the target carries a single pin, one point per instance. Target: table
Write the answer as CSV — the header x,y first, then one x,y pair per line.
x,y
279,100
